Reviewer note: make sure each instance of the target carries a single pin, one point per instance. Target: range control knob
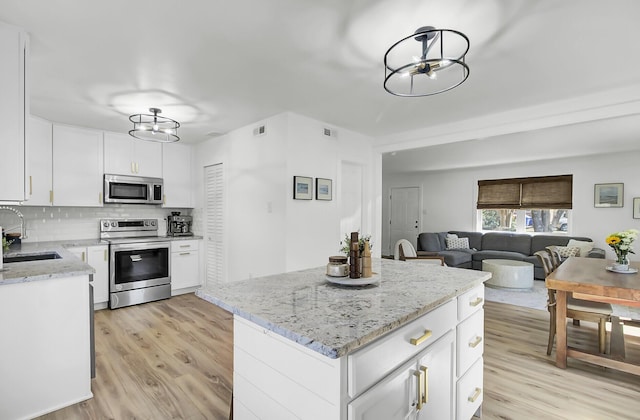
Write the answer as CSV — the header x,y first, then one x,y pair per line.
x,y
114,224
146,223
153,223
105,224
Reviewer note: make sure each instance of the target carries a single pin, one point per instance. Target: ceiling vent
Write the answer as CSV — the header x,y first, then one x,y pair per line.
x,y
330,133
260,131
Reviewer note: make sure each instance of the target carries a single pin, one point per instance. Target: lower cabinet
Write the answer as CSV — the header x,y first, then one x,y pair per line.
x,y
185,265
420,389
430,368
97,257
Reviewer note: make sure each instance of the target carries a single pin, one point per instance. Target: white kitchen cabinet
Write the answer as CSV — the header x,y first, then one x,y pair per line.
x,y
126,155
469,350
176,171
39,161
185,265
379,381
96,256
13,105
77,166
420,389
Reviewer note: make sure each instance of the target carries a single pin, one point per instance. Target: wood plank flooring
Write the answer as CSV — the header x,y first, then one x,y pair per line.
x,y
173,359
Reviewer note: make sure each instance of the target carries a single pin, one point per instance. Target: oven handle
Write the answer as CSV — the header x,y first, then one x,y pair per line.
x,y
135,258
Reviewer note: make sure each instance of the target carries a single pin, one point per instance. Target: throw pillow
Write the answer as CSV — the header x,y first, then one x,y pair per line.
x,y
568,251
585,246
457,243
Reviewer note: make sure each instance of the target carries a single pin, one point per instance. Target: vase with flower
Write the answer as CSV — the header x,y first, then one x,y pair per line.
x,y
621,243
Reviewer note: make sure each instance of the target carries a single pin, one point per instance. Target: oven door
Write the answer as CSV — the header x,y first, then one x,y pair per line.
x,y
138,265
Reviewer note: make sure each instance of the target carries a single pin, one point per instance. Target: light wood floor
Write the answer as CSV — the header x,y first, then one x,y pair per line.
x,y
173,359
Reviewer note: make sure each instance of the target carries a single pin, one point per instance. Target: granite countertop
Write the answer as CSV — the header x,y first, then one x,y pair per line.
x,y
67,266
335,320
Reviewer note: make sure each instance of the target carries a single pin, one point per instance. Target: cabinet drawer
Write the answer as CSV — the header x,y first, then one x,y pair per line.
x,y
185,245
470,341
470,391
371,363
470,302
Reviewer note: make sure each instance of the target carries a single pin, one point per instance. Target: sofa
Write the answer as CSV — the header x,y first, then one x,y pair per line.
x,y
470,252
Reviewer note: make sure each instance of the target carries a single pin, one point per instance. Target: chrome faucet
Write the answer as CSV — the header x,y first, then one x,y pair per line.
x,y
23,233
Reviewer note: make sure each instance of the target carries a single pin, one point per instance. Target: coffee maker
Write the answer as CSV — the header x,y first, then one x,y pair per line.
x,y
179,225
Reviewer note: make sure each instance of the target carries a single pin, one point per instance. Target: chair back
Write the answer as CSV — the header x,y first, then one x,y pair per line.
x,y
556,260
403,249
545,259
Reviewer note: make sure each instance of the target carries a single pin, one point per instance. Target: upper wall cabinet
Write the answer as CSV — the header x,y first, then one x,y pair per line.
x,y
13,103
178,185
39,162
77,167
126,155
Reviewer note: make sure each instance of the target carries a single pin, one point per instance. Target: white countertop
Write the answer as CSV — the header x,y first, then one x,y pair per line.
x,y
336,320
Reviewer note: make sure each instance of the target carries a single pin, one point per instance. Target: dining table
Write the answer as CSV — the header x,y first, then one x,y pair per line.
x,y
593,279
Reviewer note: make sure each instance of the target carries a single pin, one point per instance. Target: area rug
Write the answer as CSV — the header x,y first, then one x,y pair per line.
x,y
534,298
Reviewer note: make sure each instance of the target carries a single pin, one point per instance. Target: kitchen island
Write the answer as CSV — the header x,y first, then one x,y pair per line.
x,y
45,361
407,346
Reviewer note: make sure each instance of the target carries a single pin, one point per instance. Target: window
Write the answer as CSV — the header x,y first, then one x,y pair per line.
x,y
535,204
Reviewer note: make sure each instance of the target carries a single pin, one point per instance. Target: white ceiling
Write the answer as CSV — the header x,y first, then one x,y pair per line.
x,y
219,65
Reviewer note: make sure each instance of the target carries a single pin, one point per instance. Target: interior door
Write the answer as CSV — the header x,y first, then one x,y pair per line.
x,y
405,215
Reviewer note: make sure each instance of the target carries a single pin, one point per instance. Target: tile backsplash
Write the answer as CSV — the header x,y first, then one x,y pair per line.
x,y
62,223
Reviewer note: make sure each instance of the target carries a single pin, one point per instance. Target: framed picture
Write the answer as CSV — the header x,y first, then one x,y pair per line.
x,y
324,189
302,188
636,208
608,195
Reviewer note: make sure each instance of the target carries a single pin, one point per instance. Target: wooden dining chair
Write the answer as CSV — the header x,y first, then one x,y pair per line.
x,y
556,259
406,252
577,309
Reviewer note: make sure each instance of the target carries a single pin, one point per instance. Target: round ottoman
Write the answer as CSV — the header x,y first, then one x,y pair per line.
x,y
509,274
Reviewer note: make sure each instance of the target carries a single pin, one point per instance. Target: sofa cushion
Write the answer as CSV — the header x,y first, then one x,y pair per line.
x,y
540,242
512,242
567,251
475,238
496,254
430,241
457,258
457,243
585,246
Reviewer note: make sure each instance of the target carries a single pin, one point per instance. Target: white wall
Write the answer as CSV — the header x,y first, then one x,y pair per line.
x,y
449,197
266,230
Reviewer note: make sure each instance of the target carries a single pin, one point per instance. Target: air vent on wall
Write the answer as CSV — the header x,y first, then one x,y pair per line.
x,y
330,133
259,131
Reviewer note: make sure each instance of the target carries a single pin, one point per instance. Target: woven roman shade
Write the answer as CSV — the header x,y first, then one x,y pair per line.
x,y
543,192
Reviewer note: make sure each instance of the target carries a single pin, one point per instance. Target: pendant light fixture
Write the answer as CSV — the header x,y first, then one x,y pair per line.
x,y
427,62
154,127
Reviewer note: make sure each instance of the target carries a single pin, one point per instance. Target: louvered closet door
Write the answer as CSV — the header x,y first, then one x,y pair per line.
x,y
214,179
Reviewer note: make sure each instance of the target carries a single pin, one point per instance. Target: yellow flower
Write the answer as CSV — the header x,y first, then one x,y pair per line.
x,y
612,240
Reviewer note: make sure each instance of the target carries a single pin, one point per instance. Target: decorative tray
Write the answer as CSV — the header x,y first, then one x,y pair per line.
x,y
346,281
629,271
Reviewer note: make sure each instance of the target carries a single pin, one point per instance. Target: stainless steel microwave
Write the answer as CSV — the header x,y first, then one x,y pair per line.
x,y
124,189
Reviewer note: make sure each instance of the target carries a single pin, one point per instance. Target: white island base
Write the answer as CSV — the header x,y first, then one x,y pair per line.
x,y
429,368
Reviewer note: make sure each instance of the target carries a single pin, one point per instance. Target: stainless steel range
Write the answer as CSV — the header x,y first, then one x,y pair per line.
x,y
139,261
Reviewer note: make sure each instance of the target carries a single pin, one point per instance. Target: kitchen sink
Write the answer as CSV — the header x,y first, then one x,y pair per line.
x,y
32,257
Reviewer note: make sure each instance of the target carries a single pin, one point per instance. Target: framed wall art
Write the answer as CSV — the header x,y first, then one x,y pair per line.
x,y
302,188
608,195
324,190
636,208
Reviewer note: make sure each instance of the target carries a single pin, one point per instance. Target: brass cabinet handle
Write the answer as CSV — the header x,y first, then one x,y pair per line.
x,y
106,255
475,342
51,196
419,390
425,381
476,302
185,253
133,167
100,198
475,395
30,185
137,168
83,260
421,339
